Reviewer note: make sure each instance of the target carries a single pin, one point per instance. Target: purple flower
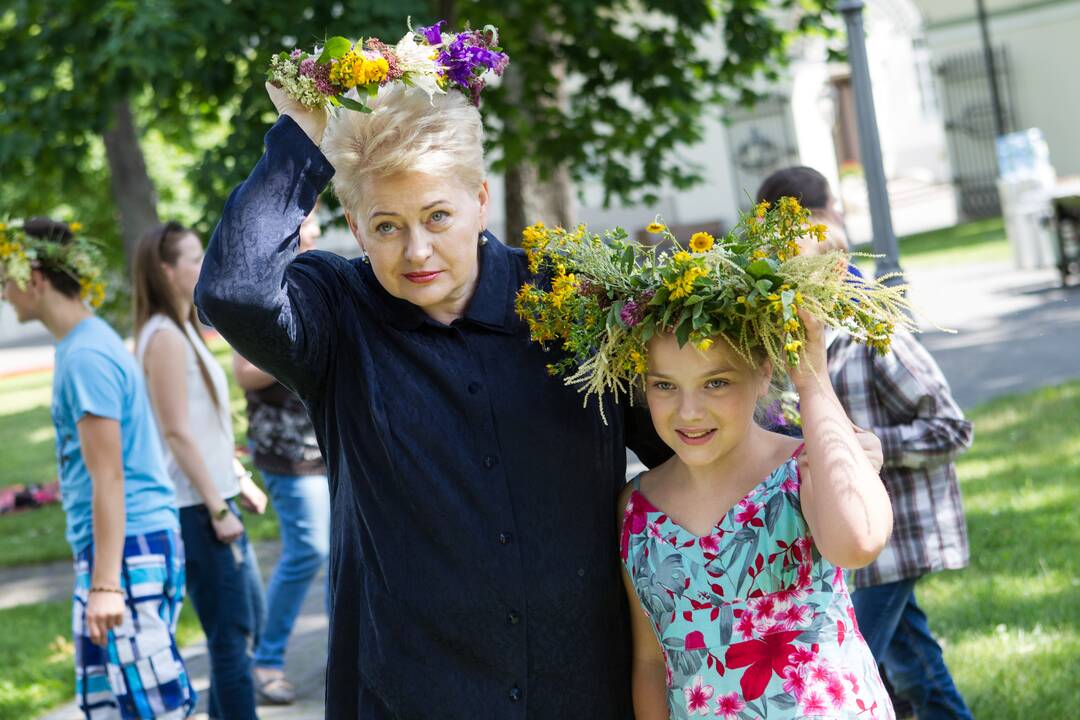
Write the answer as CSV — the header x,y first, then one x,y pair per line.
x,y
295,54
467,57
320,73
433,33
632,312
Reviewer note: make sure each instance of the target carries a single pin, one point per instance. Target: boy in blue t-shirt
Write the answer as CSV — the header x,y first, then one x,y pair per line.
x,y
120,505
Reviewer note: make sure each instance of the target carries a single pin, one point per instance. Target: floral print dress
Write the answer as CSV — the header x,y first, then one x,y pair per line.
x,y
752,621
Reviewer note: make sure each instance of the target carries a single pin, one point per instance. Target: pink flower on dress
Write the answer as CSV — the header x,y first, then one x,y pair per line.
x,y
653,531
790,484
795,615
698,696
794,682
789,593
837,693
729,706
749,511
746,623
854,680
838,579
813,704
764,606
822,673
803,656
710,543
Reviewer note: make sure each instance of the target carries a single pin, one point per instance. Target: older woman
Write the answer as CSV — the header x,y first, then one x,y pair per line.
x,y
473,564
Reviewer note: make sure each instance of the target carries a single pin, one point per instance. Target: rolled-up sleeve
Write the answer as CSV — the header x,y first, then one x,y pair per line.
x,y
910,386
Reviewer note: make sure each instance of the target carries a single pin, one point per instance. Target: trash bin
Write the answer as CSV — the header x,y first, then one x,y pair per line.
x,y
1026,184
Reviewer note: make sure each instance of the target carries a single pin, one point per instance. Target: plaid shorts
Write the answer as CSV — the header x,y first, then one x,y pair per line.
x,y
139,674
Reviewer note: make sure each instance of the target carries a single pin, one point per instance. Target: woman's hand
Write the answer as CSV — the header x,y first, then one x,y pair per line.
x,y
312,122
229,528
251,496
104,611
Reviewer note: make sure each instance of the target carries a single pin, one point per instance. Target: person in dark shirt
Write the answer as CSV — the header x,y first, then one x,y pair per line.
x,y
473,562
282,441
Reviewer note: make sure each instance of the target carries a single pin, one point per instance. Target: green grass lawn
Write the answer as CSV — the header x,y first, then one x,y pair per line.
x,y
36,656
1011,621
27,454
974,242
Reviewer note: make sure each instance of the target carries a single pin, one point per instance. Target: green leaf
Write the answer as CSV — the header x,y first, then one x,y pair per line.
x,y
759,268
335,47
764,286
787,297
616,312
693,300
354,105
682,333
627,259
660,297
648,330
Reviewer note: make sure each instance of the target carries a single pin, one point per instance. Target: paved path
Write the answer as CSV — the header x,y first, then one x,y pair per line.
x,y
1017,331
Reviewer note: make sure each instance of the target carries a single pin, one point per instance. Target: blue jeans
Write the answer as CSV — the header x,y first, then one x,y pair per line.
x,y
225,589
302,503
897,632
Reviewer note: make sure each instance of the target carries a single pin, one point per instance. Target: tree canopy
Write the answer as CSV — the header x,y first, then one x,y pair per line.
x,y
613,90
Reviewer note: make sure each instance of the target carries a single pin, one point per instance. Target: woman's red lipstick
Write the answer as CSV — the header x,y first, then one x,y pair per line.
x,y
421,278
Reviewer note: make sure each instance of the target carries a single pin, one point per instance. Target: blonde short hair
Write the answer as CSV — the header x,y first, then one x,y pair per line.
x,y
406,132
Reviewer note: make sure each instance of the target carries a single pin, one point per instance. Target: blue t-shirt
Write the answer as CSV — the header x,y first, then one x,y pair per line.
x,y
96,375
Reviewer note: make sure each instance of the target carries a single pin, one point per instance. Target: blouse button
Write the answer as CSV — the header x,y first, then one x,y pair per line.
x,y
505,538
513,617
515,693
489,461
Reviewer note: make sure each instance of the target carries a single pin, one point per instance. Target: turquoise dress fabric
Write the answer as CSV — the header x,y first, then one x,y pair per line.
x,y
752,620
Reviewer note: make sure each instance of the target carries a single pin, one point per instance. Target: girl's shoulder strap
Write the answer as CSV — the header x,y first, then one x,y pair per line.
x,y
798,451
636,482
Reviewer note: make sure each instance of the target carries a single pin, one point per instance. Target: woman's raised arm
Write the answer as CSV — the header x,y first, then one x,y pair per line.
x,y
276,314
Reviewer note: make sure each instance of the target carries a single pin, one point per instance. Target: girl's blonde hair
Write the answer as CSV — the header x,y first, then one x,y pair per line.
x,y
406,132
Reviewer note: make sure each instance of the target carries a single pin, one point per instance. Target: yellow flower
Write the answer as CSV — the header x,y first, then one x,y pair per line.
x,y
761,209
758,254
75,226
655,228
820,232
793,346
791,325
681,257
741,299
3,227
640,367
705,344
701,241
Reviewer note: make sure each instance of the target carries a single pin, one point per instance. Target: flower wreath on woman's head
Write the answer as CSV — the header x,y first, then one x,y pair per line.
x,y
77,257
343,73
608,295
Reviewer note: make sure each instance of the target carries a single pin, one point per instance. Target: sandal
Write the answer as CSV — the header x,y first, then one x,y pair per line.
x,y
276,691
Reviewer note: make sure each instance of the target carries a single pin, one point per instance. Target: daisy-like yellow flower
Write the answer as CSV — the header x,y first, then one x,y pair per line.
x,y
793,346
681,257
761,208
701,241
655,228
705,344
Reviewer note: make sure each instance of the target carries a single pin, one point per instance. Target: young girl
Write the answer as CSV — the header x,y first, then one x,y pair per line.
x,y
734,548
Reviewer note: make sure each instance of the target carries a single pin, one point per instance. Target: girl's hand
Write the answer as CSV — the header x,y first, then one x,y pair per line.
x,y
104,611
229,528
813,366
251,497
312,122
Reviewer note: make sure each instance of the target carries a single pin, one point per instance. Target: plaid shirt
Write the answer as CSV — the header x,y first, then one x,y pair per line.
x,y
904,399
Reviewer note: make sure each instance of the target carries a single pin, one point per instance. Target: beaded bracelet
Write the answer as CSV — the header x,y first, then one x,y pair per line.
x,y
96,588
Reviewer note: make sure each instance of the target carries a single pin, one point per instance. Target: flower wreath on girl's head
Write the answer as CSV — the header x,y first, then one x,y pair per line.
x,y
78,258
427,57
604,297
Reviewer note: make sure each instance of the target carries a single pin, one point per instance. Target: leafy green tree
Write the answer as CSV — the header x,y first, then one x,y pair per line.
x,y
614,90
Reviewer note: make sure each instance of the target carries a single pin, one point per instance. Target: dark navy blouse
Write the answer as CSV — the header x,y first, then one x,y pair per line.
x,y
473,567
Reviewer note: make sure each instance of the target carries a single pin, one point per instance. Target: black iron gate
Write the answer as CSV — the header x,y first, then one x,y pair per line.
x,y
969,126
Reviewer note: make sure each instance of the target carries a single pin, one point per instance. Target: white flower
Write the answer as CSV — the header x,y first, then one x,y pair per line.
x,y
418,64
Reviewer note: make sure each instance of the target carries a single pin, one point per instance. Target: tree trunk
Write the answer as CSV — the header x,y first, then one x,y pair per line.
x,y
132,189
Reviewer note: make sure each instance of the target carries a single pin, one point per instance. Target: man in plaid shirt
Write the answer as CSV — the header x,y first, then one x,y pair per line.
x,y
903,398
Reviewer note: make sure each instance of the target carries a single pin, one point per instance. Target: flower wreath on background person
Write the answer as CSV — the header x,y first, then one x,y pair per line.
x,y
342,73
604,297
72,255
